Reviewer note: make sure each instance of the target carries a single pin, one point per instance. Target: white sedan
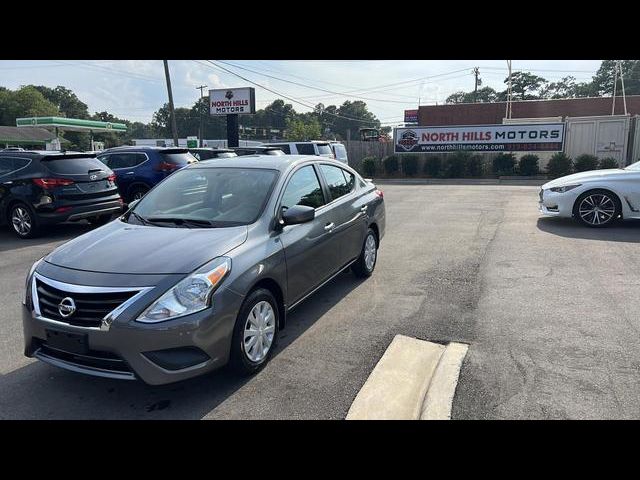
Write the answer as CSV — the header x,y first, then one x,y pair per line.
x,y
596,198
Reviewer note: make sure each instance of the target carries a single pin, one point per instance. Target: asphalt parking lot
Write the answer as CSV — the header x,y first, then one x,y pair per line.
x,y
549,309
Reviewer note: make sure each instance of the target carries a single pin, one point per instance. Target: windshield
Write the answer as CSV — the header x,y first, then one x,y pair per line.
x,y
215,197
634,167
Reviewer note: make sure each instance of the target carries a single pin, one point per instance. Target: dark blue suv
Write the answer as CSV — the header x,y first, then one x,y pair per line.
x,y
139,169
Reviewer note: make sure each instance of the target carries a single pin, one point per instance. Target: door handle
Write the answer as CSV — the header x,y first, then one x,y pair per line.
x,y
329,226
129,173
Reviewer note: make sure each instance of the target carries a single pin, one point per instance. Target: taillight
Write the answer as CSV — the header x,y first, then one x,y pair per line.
x,y
166,167
379,193
48,183
112,178
63,209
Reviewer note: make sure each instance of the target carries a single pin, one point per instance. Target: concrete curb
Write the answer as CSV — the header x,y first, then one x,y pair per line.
x,y
462,181
414,379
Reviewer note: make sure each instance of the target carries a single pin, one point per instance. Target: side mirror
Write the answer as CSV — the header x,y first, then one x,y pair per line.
x,y
298,214
133,203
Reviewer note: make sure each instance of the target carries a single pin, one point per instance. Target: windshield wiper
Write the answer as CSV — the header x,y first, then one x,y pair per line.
x,y
140,218
187,222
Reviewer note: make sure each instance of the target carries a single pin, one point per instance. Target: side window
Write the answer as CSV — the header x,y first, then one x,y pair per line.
x,y
133,159
305,149
5,166
303,189
105,159
19,163
336,181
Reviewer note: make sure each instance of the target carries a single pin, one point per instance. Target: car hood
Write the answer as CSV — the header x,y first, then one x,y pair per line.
x,y
119,247
591,175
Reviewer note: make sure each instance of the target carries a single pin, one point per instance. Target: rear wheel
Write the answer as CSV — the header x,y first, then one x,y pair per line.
x,y
366,263
23,221
597,208
137,193
256,332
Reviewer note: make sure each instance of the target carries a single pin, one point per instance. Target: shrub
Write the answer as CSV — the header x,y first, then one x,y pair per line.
x,y
559,165
368,166
432,166
608,163
504,163
528,165
391,164
585,162
475,166
454,165
410,165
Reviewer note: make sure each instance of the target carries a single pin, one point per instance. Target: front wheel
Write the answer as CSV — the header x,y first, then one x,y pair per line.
x,y
366,263
597,208
256,332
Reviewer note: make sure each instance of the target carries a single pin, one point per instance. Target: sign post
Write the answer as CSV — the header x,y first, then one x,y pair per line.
x,y
232,102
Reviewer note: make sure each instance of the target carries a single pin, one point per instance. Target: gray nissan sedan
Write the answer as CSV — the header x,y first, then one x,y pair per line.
x,y
203,270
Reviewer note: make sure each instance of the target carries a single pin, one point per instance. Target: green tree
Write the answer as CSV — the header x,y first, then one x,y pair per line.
x,y
67,102
483,95
526,85
24,102
299,130
602,84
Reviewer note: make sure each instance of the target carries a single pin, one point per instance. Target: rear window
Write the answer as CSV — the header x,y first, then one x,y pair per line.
x,y
324,149
73,166
178,158
305,148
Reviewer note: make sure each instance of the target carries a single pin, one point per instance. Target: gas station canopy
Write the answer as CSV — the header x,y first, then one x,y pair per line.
x,y
71,124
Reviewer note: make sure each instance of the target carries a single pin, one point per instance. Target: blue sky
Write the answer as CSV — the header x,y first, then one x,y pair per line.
x,y
134,89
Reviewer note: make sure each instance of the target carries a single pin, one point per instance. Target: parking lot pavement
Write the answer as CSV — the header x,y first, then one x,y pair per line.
x,y
547,308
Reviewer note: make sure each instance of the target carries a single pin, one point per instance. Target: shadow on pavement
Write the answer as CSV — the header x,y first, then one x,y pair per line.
x,y
52,233
41,391
621,231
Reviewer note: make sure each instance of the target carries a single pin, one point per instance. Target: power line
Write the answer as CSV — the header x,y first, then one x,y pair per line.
x,y
287,97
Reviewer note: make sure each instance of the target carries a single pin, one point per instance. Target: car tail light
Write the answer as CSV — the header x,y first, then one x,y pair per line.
x,y
62,209
112,178
48,183
166,167
379,193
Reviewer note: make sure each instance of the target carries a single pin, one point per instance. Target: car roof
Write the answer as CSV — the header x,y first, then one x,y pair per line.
x,y
47,153
144,147
212,149
285,142
276,162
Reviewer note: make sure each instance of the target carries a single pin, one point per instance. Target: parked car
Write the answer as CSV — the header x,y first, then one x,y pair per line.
x,y
259,150
319,148
339,152
596,198
138,169
206,153
39,188
12,149
135,299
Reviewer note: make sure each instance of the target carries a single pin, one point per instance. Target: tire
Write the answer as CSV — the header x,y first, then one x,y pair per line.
x,y
23,221
249,363
137,193
366,263
100,220
597,208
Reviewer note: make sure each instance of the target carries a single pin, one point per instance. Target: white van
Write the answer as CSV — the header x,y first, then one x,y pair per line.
x,y
316,147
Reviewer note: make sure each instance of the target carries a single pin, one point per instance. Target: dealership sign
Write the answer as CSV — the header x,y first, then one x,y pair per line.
x,y
539,137
229,101
411,116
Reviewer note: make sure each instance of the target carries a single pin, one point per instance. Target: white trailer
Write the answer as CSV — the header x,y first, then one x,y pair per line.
x,y
604,136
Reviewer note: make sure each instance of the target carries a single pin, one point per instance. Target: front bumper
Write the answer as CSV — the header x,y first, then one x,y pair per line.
x,y
557,204
122,351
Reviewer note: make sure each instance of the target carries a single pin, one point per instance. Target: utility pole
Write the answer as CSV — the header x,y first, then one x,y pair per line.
x,y
508,113
171,109
476,73
201,88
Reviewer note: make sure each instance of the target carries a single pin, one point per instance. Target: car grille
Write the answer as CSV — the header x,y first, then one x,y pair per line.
x,y
93,361
91,308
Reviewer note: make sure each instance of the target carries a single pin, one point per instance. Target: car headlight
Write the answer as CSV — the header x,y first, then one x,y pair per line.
x,y
190,295
564,188
27,281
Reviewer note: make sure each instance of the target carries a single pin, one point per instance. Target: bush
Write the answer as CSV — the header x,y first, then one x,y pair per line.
x,y
585,162
410,165
608,163
369,166
475,166
454,165
528,165
504,163
391,164
559,165
432,166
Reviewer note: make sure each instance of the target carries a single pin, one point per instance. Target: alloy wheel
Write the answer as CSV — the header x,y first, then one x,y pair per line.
x,y
259,331
597,209
21,220
370,252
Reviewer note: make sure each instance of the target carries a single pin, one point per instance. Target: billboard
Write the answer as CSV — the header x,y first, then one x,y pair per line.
x,y
411,116
525,137
229,101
